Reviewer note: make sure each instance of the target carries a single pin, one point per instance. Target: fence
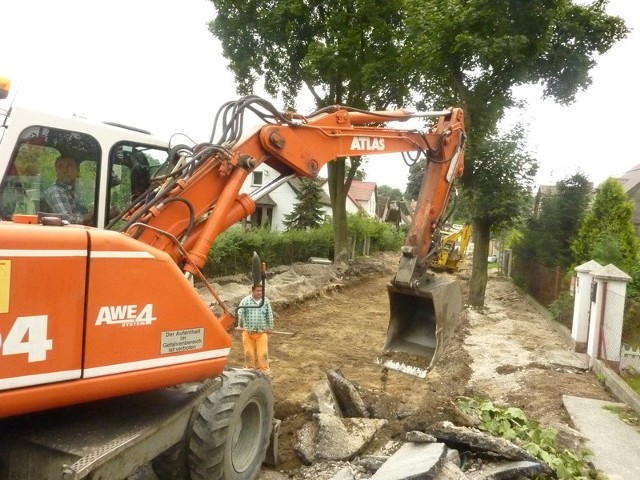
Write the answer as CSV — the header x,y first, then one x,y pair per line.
x,y
611,323
542,283
630,358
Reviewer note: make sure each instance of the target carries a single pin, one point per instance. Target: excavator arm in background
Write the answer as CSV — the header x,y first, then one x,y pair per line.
x,y
454,241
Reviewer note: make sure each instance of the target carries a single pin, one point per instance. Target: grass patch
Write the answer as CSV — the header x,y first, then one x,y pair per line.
x,y
632,379
626,414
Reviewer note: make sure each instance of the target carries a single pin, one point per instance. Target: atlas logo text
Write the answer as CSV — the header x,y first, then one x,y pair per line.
x,y
366,143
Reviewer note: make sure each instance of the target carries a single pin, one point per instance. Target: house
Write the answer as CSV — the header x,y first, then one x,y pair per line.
x,y
631,185
546,191
272,207
362,197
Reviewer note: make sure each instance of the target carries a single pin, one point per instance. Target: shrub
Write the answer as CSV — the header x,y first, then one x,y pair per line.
x,y
233,250
561,309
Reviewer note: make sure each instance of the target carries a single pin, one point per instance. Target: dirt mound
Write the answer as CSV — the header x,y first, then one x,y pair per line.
x,y
339,319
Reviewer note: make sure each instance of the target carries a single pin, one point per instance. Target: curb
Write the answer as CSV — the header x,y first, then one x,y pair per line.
x,y
617,385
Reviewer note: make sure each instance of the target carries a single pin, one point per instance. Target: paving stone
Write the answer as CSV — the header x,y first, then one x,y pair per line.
x,y
413,461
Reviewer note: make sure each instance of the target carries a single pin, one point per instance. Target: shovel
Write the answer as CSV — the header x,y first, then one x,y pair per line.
x,y
277,332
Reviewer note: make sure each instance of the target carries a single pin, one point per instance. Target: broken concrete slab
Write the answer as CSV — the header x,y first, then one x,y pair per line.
x,y
453,456
344,473
419,437
305,444
473,439
565,359
349,400
450,471
402,367
371,463
320,260
322,400
344,438
329,437
508,471
413,461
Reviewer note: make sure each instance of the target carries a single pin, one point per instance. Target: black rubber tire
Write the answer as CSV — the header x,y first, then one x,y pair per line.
x,y
172,464
232,428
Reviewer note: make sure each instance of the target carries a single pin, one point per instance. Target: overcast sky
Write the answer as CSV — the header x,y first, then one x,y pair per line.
x,y
153,64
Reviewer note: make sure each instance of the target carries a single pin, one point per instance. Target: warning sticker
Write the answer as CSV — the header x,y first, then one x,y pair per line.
x,y
182,340
5,283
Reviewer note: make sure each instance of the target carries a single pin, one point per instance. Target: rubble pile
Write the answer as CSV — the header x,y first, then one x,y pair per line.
x,y
334,441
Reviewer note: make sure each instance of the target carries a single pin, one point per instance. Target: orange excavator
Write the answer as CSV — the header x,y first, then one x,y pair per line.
x,y
104,320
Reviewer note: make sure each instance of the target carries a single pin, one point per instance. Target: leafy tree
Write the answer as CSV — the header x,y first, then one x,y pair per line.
x,y
306,212
548,237
414,180
607,234
472,53
374,53
360,174
501,162
345,52
389,192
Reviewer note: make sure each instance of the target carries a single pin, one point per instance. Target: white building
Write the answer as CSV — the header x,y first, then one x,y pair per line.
x,y
272,208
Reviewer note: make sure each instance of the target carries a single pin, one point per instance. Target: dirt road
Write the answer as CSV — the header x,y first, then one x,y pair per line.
x,y
503,352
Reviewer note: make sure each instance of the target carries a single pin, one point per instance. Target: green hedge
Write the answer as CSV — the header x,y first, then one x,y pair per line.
x,y
233,250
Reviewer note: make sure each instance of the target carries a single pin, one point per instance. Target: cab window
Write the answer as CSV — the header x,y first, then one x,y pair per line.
x,y
30,182
131,167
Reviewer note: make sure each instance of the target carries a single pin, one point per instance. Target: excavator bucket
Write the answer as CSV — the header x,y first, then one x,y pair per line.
x,y
423,318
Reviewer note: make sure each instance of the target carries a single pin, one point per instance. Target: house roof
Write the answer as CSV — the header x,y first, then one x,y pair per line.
x,y
266,200
631,179
294,183
362,191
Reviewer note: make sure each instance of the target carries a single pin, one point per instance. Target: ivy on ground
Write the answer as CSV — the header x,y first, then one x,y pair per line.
x,y
512,424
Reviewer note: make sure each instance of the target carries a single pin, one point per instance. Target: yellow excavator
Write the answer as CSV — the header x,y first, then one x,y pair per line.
x,y
454,241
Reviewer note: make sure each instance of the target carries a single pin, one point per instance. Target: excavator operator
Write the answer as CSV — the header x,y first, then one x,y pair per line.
x,y
61,196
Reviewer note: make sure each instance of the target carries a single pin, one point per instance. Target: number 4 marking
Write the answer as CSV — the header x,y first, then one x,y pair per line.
x,y
28,335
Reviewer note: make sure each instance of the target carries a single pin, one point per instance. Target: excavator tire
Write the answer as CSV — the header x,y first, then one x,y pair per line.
x,y
232,428
172,464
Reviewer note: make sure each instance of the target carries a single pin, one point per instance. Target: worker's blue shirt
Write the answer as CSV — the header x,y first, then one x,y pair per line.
x,y
255,319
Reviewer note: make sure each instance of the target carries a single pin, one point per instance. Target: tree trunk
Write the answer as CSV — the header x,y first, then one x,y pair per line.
x,y
338,193
478,280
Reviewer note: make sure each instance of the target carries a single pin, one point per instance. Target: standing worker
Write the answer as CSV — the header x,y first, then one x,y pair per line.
x,y
256,321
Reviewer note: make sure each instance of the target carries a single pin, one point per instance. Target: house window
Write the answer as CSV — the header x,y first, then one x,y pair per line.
x,y
256,180
262,217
